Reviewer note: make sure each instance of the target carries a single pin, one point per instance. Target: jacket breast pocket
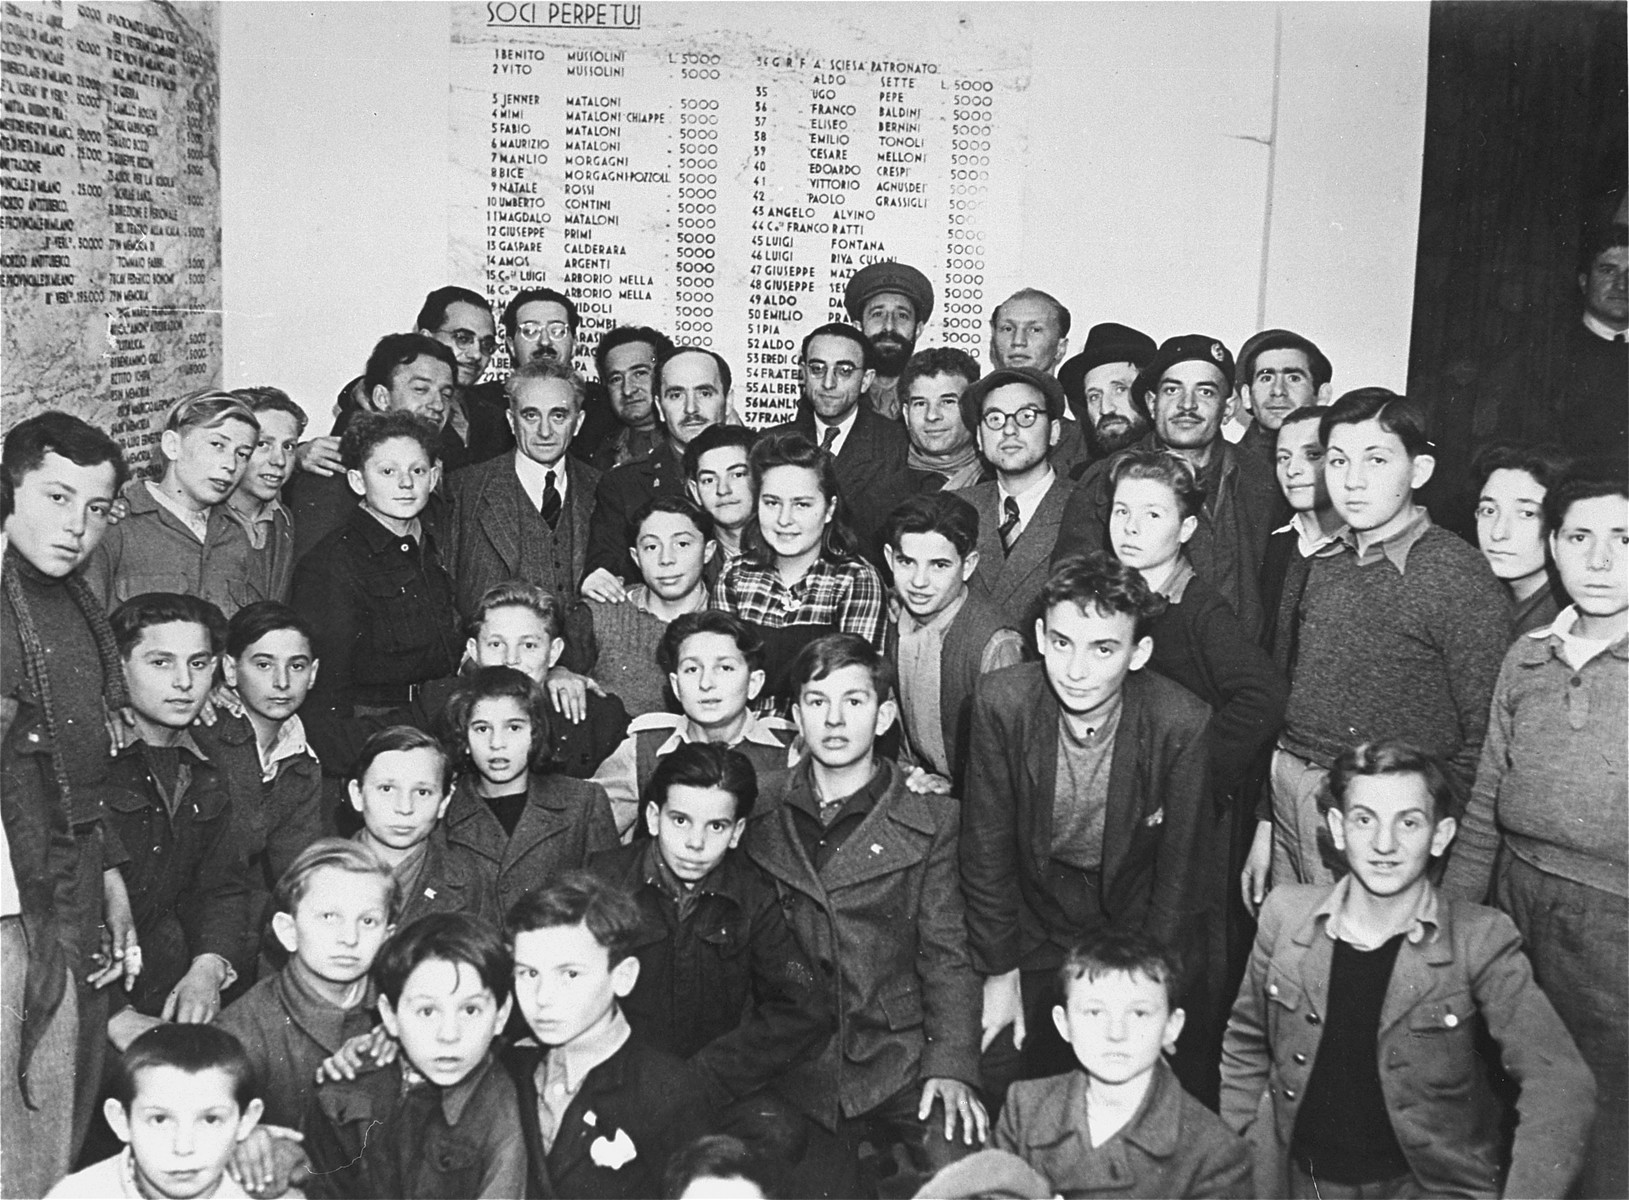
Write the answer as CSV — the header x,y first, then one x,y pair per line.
x,y
902,1009
393,615
1284,997
725,936
1441,1040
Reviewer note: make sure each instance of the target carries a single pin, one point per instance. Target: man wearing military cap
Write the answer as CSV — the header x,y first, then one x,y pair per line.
x,y
1098,382
1279,372
890,302
1186,395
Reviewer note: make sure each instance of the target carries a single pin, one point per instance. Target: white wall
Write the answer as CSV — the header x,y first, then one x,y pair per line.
x,y
1144,191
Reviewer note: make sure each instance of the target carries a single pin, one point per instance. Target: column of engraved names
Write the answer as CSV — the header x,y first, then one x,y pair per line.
x,y
963,309
518,212
37,149
771,386
593,157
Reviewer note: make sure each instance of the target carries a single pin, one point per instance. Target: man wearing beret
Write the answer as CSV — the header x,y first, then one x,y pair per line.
x,y
1279,372
1097,383
1186,395
1017,416
890,302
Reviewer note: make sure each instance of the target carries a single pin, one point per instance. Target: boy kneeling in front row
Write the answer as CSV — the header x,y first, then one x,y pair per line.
x,y
1121,1124
1358,1013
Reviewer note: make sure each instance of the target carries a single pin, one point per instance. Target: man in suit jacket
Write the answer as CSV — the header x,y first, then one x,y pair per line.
x,y
871,450
693,392
526,515
1086,786
1017,414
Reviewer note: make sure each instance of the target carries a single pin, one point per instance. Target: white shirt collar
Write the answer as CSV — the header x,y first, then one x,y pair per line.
x,y
197,523
1575,650
1600,328
843,427
1305,541
1031,499
533,478
289,743
759,730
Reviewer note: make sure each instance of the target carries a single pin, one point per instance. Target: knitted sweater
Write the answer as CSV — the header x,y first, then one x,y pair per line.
x,y
1389,653
626,637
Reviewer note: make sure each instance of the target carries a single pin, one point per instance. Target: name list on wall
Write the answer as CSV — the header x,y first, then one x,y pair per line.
x,y
720,175
109,211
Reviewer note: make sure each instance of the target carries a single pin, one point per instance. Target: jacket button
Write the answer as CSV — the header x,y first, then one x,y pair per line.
x,y
1272,989
1301,1060
1450,1020
1313,1018
1289,1093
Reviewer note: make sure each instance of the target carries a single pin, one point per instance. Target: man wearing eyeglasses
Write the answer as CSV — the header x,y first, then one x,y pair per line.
x,y
462,321
1018,415
1186,394
870,449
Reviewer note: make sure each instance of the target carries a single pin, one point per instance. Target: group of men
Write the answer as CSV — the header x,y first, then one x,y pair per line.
x,y
1084,755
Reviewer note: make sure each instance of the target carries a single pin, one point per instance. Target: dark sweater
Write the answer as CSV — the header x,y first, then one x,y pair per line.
x,y
1408,654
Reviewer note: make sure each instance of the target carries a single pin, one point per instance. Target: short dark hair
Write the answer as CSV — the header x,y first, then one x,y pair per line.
x,y
950,516
705,765
708,620
1099,581
1127,952
433,313
511,311
1281,339
715,437
678,505
393,738
1391,756
1058,310
713,1156
1600,239
338,854
254,621
833,652
625,335
497,683
192,1049
397,350
580,898
54,432
265,398
367,431
1396,414
843,330
1161,466
939,360
673,352
790,448
1307,412
452,937
143,612
547,367
1586,479
517,593
1546,463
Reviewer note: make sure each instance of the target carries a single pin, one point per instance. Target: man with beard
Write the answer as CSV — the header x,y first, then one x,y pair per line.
x,y
890,302
626,362
870,449
1029,330
1186,394
1097,383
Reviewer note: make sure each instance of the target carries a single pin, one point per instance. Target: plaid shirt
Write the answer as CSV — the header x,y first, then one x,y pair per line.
x,y
845,593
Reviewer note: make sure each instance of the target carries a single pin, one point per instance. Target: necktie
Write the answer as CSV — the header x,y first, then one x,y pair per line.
x,y
829,439
550,507
1009,524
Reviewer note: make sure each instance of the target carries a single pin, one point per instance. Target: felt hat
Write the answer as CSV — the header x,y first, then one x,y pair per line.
x,y
1106,343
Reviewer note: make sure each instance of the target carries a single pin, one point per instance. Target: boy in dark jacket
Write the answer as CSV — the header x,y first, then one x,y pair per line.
x,y
722,981
602,1111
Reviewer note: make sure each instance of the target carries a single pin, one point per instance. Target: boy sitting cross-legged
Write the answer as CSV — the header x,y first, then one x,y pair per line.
x,y
183,1097
866,872
1359,1011
603,1111
1121,1125
722,981
715,665
442,1119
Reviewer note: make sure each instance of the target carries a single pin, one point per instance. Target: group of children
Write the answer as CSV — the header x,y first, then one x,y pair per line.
x,y
767,878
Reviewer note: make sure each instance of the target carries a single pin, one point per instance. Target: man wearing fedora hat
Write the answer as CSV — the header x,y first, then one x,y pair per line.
x,y
1097,383
890,302
1186,395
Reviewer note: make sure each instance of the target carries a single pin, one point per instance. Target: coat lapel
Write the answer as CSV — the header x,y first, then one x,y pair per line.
x,y
583,480
543,818
894,836
1032,552
1121,818
984,498
1415,976
779,851
1040,758
583,1122
498,511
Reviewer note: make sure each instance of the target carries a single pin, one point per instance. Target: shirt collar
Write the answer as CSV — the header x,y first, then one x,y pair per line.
x,y
758,730
196,523
267,516
1600,328
573,1061
533,477
1394,548
455,1099
1178,582
1574,650
1309,541
1031,499
289,743
1333,909
843,427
